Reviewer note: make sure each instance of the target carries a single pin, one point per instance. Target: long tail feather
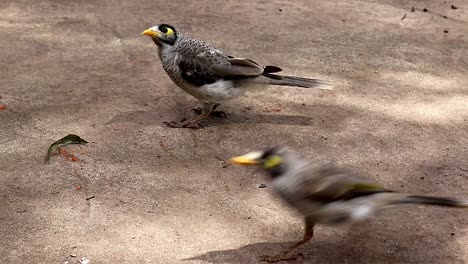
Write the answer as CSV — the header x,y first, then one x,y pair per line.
x,y
432,200
294,81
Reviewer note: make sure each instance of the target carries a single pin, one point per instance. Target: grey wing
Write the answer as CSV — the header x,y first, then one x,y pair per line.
x,y
325,184
238,67
202,64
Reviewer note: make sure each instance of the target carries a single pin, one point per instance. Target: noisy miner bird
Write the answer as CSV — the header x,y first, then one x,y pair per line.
x,y
212,76
326,194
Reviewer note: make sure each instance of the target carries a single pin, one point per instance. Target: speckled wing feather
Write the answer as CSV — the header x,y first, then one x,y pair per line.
x,y
202,64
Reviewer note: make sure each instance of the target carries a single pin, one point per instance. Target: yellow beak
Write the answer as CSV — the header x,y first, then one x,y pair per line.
x,y
150,33
243,160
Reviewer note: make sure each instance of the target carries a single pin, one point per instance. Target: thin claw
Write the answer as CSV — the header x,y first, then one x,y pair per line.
x,y
174,124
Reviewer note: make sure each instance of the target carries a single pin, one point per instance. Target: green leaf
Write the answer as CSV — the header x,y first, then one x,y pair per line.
x,y
69,139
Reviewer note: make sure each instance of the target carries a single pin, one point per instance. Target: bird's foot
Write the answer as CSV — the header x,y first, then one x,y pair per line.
x,y
220,114
174,124
285,257
199,111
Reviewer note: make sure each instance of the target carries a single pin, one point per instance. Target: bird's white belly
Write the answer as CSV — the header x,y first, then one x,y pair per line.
x,y
216,92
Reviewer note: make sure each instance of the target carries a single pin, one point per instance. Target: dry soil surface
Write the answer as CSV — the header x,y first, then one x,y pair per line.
x,y
398,114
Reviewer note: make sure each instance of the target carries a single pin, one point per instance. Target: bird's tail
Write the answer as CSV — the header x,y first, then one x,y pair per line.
x,y
276,79
431,200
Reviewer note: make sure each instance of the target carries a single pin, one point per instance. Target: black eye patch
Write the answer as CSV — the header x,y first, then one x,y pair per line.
x,y
269,152
163,29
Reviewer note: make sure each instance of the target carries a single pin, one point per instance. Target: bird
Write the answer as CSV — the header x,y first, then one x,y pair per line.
x,y
326,194
210,75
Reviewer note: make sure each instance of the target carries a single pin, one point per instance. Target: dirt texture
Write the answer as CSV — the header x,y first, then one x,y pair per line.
x,y
140,192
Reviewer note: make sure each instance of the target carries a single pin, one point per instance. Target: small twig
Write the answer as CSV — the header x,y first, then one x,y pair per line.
x,y
91,197
404,16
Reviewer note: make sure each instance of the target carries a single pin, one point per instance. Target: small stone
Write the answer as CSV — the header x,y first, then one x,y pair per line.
x,y
454,7
445,31
84,260
262,185
413,9
425,10
422,178
452,234
73,255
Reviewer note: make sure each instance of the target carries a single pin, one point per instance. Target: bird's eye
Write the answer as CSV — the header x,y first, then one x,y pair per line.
x,y
166,30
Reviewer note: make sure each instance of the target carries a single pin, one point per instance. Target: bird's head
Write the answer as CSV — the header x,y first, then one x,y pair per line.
x,y
275,160
162,34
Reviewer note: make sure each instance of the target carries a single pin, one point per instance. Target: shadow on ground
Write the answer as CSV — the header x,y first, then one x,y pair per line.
x,y
348,248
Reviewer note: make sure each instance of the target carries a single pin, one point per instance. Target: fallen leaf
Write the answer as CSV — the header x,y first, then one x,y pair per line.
x,y
69,139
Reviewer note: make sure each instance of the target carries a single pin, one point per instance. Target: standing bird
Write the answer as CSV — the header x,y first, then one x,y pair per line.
x,y
210,75
328,195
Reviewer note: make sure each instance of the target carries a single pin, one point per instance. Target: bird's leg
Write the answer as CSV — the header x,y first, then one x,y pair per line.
x,y
207,110
221,114
308,234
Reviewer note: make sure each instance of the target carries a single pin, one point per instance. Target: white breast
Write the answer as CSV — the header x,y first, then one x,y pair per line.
x,y
217,92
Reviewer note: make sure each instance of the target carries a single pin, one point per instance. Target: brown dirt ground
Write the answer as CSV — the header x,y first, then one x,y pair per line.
x,y
398,114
